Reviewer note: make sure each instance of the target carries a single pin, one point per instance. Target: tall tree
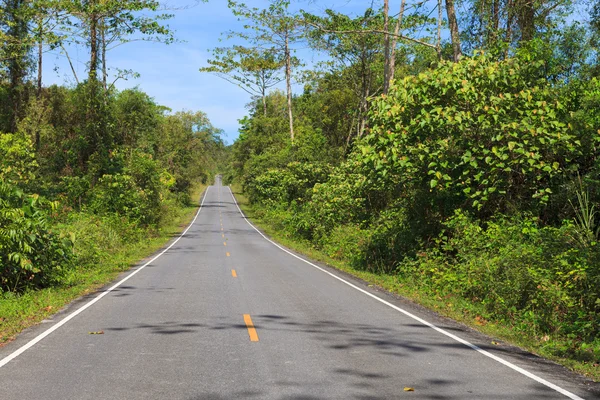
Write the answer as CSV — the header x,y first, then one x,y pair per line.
x,y
16,53
386,46
354,48
454,34
48,15
107,23
253,69
273,27
512,23
396,35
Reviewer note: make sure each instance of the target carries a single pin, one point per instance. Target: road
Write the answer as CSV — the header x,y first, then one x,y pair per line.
x,y
226,314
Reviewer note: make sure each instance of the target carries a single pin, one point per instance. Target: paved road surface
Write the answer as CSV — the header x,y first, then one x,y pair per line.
x,y
225,314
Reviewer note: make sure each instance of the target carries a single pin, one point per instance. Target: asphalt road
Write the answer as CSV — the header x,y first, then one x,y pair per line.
x,y
226,314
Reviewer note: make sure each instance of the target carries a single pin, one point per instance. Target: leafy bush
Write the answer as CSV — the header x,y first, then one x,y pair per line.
x,y
284,186
137,193
346,242
482,134
17,158
539,279
31,255
95,237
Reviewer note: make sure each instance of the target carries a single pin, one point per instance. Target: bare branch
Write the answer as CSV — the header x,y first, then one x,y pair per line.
x,y
371,31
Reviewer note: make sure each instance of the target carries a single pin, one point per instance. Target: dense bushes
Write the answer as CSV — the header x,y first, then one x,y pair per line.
x,y
88,172
31,254
540,280
476,181
479,134
284,186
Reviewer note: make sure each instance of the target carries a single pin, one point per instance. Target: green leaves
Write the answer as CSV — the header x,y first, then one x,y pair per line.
x,y
479,129
31,255
253,69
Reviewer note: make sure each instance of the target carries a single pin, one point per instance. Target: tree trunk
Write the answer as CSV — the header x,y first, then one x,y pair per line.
x,y
288,81
70,63
18,62
363,107
526,19
453,30
40,59
509,27
93,75
496,16
103,44
439,31
263,92
386,47
395,41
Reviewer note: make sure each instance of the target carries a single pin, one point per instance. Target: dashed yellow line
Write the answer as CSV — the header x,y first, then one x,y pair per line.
x,y
228,254
233,273
224,243
251,330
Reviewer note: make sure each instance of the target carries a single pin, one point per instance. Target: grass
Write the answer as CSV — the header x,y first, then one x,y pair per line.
x,y
455,308
19,312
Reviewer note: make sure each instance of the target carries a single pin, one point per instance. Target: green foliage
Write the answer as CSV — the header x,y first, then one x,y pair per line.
x,y
459,188
31,255
286,186
17,158
137,193
255,70
477,130
95,237
538,279
137,117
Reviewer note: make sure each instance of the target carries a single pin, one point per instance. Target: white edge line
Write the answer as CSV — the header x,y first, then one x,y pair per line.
x,y
47,332
429,324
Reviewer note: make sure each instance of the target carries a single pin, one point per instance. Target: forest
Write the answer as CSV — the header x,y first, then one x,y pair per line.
x,y
450,151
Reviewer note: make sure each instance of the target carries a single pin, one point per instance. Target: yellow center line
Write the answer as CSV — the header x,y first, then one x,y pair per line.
x,y
228,254
233,273
251,330
223,235
224,243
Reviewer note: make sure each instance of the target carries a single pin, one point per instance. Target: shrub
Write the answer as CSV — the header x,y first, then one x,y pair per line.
x,y
479,134
17,158
95,237
137,193
284,186
539,279
31,254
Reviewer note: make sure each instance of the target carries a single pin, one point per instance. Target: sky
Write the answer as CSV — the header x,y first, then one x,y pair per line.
x,y
170,73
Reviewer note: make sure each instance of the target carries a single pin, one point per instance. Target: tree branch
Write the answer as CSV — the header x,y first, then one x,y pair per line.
x,y
370,31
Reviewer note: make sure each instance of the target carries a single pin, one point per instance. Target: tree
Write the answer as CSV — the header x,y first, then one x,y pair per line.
x,y
275,28
106,22
253,69
15,53
353,51
120,26
48,17
513,23
454,34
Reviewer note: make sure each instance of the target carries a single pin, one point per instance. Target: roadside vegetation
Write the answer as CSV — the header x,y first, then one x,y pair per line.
x,y
92,179
463,173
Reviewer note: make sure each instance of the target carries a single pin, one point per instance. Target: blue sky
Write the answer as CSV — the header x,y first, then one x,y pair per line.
x,y
169,73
